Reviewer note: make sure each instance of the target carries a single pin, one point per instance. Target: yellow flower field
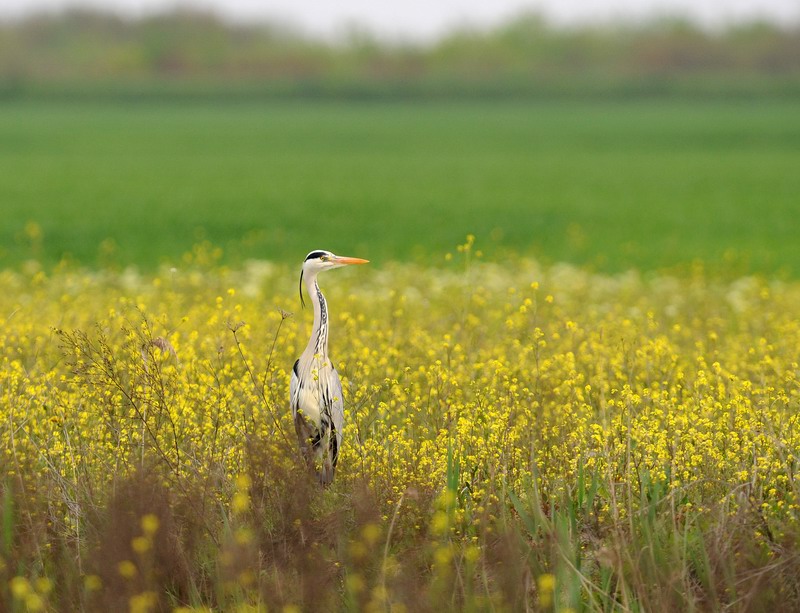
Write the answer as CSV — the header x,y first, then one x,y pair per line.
x,y
515,435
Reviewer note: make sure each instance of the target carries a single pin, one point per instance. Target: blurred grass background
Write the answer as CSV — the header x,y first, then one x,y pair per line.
x,y
614,147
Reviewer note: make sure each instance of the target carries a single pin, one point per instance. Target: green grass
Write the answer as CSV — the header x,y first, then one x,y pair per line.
x,y
608,185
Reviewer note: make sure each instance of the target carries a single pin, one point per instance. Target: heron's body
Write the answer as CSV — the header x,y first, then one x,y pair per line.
x,y
316,391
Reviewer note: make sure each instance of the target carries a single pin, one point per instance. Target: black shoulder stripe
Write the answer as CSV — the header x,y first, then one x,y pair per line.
x,y
334,446
295,367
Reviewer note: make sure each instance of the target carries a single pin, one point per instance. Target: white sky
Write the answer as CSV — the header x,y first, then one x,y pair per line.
x,y
425,19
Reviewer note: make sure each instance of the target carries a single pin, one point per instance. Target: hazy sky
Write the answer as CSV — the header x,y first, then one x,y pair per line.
x,y
428,18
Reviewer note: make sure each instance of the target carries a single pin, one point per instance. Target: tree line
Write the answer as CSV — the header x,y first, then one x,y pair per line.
x,y
525,55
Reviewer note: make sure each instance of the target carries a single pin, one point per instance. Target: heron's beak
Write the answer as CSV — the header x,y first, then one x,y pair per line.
x,y
345,260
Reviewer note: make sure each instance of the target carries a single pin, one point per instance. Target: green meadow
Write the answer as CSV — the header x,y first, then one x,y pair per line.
x,y
518,434
606,185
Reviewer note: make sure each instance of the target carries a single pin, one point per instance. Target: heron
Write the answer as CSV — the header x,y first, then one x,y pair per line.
x,y
316,391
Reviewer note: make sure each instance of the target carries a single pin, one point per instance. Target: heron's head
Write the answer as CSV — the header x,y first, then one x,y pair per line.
x,y
320,260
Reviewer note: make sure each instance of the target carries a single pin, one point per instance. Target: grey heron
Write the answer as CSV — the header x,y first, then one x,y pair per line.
x,y
316,391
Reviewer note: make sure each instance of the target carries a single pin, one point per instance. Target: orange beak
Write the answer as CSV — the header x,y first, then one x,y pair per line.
x,y
346,260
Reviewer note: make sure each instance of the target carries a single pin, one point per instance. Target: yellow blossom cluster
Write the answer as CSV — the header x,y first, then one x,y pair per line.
x,y
483,385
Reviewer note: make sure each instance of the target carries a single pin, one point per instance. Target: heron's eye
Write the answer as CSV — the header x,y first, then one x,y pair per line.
x,y
314,255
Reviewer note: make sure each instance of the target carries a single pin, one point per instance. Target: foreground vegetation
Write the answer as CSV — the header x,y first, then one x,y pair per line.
x,y
517,436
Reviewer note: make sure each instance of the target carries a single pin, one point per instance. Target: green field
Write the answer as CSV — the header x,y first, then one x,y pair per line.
x,y
532,436
611,186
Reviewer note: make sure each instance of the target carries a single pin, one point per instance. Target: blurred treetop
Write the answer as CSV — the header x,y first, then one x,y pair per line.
x,y
84,50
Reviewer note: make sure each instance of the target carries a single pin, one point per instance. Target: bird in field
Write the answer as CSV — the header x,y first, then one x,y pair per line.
x,y
316,391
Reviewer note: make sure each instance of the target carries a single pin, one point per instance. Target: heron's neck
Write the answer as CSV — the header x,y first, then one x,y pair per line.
x,y
318,343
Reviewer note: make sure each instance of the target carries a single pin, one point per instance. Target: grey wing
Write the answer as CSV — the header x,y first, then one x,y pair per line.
x,y
337,408
294,389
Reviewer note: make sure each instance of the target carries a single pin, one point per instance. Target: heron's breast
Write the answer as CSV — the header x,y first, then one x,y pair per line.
x,y
308,401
